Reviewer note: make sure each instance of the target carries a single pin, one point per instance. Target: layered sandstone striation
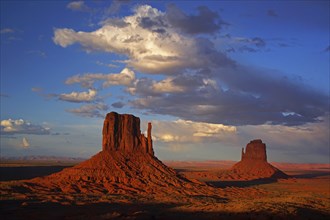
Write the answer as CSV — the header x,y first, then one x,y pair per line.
x,y
254,165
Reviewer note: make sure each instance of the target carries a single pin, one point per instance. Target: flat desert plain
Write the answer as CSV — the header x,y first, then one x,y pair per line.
x,y
305,195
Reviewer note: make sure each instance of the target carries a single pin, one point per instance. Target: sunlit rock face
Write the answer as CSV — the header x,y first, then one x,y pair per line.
x,y
126,165
121,132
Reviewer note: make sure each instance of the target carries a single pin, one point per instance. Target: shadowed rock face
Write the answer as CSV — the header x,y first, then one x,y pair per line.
x,y
255,150
254,165
122,133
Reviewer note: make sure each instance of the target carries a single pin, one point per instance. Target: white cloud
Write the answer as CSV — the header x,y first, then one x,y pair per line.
x,y
148,39
147,87
79,96
25,143
167,85
125,77
169,43
95,110
189,131
10,126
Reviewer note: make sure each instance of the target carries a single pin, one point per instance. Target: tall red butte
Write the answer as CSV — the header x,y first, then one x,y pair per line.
x,y
126,165
254,165
122,133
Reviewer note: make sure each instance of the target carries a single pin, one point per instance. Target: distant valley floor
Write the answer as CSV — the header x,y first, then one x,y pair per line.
x,y
304,196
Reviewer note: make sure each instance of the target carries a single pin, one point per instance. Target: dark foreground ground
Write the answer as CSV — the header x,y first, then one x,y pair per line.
x,y
304,196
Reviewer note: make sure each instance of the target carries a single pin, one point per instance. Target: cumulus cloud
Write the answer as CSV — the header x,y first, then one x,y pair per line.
x,y
91,111
79,96
149,50
10,126
183,83
198,82
149,87
248,97
78,6
25,143
125,77
167,85
185,131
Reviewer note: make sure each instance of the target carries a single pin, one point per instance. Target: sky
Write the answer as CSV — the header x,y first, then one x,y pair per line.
x,y
209,75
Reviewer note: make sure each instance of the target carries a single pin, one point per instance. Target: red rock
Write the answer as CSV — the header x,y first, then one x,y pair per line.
x,y
254,165
122,133
255,150
150,148
126,165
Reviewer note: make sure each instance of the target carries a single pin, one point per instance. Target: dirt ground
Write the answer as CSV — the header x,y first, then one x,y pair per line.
x,y
305,195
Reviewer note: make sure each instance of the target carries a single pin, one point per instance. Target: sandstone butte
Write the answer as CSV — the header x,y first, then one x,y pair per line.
x,y
254,165
126,165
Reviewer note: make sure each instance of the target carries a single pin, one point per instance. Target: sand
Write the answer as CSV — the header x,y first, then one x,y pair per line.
x,y
305,195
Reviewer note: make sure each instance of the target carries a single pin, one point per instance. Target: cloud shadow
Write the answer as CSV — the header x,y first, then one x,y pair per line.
x,y
23,209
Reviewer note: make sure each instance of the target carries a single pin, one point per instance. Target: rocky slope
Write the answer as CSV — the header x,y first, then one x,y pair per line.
x,y
254,165
126,165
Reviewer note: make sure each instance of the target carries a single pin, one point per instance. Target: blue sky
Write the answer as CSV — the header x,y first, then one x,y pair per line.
x,y
209,75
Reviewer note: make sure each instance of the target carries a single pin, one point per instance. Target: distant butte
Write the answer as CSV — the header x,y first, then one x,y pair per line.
x,y
254,165
255,150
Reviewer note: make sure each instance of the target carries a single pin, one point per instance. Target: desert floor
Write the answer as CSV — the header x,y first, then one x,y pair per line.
x,y
306,195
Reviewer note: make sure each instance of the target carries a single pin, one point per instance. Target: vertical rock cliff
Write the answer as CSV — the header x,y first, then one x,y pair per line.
x,y
255,150
122,133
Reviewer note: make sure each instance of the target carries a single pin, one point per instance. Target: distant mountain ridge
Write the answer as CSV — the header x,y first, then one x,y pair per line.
x,y
41,158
